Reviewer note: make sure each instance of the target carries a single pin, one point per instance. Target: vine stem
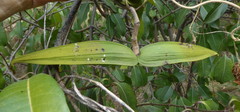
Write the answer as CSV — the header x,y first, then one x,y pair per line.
x,y
212,1
206,2
135,45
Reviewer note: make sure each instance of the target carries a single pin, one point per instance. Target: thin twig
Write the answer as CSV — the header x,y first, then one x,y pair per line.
x,y
44,27
108,72
135,45
9,68
102,87
88,101
73,104
99,8
50,37
62,35
83,29
206,2
21,43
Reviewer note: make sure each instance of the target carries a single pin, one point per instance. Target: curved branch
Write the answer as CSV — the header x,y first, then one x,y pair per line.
x,y
206,2
212,1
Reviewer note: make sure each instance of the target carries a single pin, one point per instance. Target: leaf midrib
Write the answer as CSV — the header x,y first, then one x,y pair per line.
x,y
29,95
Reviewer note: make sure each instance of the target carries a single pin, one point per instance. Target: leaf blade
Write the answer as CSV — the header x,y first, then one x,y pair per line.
x,y
45,97
162,53
89,52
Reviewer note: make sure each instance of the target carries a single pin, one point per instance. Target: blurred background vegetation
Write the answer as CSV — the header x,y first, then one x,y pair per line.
x,y
206,85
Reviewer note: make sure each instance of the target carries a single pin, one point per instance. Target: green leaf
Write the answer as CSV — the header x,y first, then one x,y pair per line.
x,y
222,69
111,5
164,10
172,108
4,51
149,108
180,76
2,80
119,23
18,31
216,41
193,95
138,76
205,9
162,53
55,19
144,26
89,52
236,102
181,16
204,67
204,91
216,12
110,26
210,104
3,35
127,94
119,74
164,94
223,98
41,93
82,13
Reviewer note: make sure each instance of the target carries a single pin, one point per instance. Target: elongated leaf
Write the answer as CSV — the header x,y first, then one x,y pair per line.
x,y
119,74
40,93
18,31
126,94
3,37
210,104
216,12
180,15
120,25
2,80
111,5
83,13
90,52
223,98
172,108
138,76
164,93
203,67
217,44
222,69
144,26
149,108
110,26
193,95
162,53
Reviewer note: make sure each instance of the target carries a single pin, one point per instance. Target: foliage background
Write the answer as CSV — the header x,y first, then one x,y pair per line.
x,y
204,85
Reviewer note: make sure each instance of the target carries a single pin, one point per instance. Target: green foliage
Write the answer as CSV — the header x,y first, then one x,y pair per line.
x,y
221,70
212,12
164,76
127,94
162,53
138,76
104,52
40,93
3,36
164,94
2,80
91,52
